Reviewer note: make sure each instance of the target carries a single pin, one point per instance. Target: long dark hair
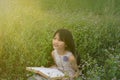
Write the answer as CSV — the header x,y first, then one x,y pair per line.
x,y
66,36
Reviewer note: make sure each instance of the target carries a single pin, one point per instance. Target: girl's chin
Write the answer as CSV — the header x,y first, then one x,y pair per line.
x,y
54,47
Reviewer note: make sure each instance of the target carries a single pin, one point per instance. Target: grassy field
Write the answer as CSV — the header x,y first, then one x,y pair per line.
x,y
27,28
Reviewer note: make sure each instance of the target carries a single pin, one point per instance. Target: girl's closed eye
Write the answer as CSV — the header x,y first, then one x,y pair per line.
x,y
54,38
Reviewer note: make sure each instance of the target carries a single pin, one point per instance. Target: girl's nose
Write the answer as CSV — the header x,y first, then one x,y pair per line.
x,y
55,41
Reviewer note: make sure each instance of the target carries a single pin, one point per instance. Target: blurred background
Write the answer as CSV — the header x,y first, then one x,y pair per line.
x,y
27,28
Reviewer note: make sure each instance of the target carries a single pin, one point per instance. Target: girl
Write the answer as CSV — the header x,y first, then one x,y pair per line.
x,y
64,48
63,54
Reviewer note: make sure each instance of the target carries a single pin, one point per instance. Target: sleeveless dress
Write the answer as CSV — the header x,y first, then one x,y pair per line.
x,y
62,63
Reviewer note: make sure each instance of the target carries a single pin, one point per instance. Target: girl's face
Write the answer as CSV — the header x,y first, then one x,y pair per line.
x,y
57,43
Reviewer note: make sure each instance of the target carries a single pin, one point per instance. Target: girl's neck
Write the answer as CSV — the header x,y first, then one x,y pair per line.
x,y
61,52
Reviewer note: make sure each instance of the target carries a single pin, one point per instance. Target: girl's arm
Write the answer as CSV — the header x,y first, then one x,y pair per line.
x,y
74,66
52,54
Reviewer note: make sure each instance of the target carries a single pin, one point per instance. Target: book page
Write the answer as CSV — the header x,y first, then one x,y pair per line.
x,y
50,72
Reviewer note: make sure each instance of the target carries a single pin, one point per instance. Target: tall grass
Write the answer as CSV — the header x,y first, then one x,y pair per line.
x,y
27,27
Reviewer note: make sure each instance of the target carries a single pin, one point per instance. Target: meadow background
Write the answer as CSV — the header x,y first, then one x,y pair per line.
x,y
27,28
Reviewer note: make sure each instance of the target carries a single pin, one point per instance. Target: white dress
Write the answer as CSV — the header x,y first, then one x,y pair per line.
x,y
62,63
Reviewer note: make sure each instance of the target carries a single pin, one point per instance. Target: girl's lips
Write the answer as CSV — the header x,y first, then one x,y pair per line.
x,y
55,45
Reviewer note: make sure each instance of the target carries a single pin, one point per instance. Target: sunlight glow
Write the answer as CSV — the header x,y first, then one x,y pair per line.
x,y
11,10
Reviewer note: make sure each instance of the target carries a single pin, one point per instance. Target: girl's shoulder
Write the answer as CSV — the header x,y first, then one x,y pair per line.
x,y
53,52
69,53
71,57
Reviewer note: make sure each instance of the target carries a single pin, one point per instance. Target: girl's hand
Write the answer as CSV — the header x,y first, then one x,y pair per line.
x,y
53,66
76,75
42,66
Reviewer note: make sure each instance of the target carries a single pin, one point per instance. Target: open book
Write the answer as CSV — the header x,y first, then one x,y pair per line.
x,y
49,73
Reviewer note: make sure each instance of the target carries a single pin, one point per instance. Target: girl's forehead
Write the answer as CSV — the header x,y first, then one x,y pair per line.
x,y
57,35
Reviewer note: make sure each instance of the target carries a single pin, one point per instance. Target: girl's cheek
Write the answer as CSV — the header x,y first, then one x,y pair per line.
x,y
53,42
